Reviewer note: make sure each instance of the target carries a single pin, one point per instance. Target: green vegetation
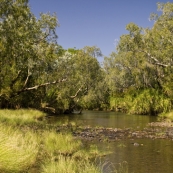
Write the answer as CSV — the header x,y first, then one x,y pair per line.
x,y
70,165
18,151
29,147
21,117
60,144
40,74
166,116
139,73
136,78
148,101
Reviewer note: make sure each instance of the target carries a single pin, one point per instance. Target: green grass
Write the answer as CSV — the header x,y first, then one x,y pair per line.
x,y
21,116
166,116
41,149
60,143
18,151
70,165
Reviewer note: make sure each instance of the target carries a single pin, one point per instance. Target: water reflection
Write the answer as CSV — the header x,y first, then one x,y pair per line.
x,y
106,119
154,156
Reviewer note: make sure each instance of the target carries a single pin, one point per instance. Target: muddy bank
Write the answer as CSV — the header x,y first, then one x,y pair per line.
x,y
152,131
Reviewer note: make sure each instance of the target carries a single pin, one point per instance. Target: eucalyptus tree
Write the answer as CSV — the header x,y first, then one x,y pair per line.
x,y
159,46
28,50
84,85
142,65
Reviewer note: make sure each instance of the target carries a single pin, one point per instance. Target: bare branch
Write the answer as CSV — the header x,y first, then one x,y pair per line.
x,y
26,81
76,93
45,84
51,109
36,87
155,60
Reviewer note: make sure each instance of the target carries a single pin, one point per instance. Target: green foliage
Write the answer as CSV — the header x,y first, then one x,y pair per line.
x,y
151,102
143,64
36,72
28,50
85,87
166,116
25,150
148,101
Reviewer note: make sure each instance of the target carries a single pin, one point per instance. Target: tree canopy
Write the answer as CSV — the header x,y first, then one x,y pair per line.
x,y
35,71
140,71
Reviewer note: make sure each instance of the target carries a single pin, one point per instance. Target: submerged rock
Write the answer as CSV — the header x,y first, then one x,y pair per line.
x,y
109,134
135,144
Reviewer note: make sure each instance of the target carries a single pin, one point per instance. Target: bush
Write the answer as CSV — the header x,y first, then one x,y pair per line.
x,y
148,101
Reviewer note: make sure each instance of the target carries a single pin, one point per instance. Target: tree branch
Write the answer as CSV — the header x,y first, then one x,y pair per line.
x,y
76,93
36,87
26,81
45,84
155,60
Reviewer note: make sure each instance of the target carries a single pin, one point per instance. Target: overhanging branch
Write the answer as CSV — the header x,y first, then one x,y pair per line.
x,y
37,86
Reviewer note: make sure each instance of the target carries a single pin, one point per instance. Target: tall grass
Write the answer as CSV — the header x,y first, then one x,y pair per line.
x,y
166,116
42,150
70,165
18,151
20,117
60,143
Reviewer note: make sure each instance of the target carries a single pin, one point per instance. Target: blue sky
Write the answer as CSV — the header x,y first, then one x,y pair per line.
x,y
95,22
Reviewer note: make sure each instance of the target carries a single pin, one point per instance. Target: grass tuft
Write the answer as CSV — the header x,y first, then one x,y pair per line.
x,y
18,151
69,165
166,116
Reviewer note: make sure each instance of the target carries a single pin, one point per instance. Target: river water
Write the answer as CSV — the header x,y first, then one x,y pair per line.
x,y
151,156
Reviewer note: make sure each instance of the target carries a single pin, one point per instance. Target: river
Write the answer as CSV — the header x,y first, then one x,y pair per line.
x,y
151,156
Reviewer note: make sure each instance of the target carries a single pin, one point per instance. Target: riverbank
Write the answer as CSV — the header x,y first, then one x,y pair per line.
x,y
60,146
28,144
